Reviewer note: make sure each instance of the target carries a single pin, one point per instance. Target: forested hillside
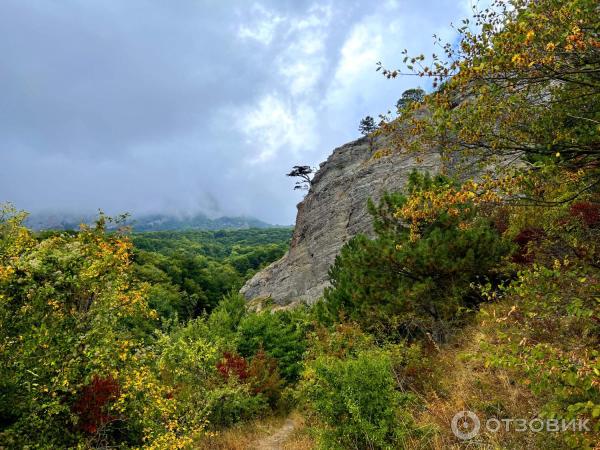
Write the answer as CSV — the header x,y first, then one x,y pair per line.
x,y
470,319
189,272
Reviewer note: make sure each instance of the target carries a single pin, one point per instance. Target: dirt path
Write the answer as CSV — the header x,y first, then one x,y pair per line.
x,y
276,440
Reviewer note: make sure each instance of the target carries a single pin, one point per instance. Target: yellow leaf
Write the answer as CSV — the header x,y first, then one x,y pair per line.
x,y
529,36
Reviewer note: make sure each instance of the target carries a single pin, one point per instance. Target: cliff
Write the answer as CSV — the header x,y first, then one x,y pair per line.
x,y
333,211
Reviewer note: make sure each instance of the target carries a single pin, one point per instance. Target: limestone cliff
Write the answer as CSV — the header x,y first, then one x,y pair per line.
x,y
333,211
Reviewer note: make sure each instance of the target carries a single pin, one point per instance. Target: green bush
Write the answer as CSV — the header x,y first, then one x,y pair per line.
x,y
188,360
263,376
233,403
355,402
342,340
226,317
280,334
71,316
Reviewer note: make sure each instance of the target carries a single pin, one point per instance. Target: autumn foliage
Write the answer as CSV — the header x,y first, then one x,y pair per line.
x,y
526,240
94,402
587,212
503,245
232,364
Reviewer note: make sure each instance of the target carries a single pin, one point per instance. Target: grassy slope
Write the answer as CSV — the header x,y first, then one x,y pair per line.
x,y
469,382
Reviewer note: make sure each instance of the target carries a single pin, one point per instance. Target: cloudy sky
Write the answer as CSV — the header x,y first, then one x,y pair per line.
x,y
192,105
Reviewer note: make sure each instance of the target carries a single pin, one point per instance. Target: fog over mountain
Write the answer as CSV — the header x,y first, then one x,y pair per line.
x,y
192,106
144,222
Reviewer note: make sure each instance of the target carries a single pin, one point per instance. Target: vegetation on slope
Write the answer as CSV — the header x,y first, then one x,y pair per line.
x,y
519,105
477,295
86,361
189,272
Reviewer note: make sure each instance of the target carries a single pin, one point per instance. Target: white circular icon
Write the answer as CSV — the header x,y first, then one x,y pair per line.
x,y
465,425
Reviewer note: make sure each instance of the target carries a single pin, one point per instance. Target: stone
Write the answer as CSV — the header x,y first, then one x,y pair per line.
x,y
333,211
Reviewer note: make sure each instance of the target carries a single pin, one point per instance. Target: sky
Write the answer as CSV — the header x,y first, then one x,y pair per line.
x,y
187,106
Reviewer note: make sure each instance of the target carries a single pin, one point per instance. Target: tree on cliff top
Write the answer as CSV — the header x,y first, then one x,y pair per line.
x,y
367,127
305,174
409,97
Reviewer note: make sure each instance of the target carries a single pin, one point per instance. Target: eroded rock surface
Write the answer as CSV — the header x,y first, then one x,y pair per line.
x,y
333,211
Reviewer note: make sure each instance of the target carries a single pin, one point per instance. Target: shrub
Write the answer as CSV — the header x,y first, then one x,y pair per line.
x,y
280,334
211,386
225,318
68,312
263,376
547,338
232,403
341,341
413,367
526,239
232,364
354,401
587,212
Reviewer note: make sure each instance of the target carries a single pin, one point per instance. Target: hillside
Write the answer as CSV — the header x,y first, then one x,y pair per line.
x,y
190,271
440,290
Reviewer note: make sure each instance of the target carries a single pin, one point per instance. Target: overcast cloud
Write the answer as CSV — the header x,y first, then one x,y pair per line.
x,y
188,105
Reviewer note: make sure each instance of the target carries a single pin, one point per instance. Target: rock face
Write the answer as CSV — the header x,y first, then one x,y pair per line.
x,y
333,211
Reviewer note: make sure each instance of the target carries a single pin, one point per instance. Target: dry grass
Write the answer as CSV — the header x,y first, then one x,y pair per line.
x,y
467,385
299,439
285,433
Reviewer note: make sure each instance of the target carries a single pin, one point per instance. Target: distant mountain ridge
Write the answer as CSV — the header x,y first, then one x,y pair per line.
x,y
148,222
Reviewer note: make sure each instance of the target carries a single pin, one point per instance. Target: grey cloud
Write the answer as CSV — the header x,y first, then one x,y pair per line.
x,y
147,106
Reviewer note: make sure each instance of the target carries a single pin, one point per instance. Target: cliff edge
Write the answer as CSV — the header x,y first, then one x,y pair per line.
x,y
333,211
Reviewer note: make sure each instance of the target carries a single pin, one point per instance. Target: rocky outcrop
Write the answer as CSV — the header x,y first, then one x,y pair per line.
x,y
333,211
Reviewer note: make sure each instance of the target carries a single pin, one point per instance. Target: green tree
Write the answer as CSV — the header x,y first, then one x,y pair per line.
x,y
189,272
410,97
367,128
397,284
367,125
